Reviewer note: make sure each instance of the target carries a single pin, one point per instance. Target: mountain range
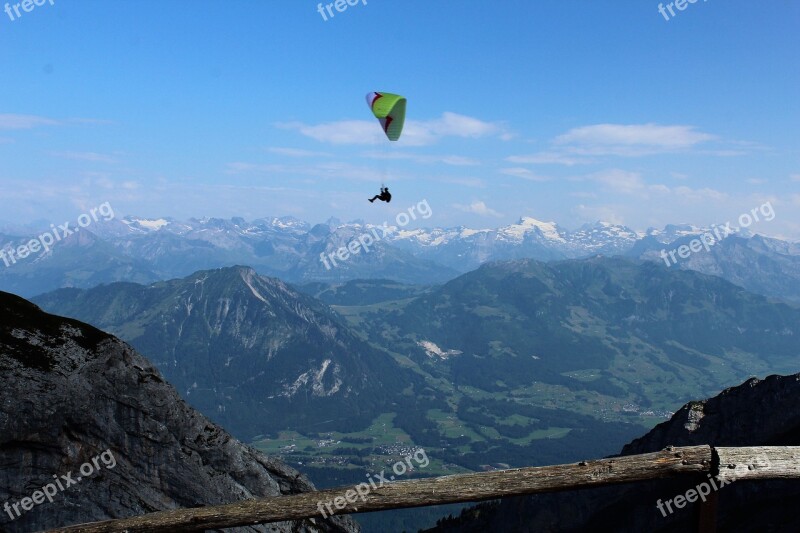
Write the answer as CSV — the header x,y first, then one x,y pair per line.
x,y
69,391
146,250
515,362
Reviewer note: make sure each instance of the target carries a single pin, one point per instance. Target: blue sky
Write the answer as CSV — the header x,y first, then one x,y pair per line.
x,y
566,111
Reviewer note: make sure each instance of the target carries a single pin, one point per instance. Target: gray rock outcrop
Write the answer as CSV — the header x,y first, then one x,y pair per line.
x,y
72,396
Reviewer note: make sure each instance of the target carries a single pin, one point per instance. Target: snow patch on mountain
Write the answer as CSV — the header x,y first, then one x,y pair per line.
x,y
148,224
432,350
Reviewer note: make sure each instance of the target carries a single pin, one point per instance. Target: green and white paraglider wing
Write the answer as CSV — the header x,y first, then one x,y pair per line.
x,y
390,110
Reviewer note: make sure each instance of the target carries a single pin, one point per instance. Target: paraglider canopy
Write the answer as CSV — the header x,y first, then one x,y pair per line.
x,y
390,110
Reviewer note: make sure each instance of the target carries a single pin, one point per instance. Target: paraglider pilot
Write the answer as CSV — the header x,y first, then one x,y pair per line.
x,y
384,196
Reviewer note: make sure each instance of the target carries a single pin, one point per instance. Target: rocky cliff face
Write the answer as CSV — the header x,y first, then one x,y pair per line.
x,y
757,413
93,422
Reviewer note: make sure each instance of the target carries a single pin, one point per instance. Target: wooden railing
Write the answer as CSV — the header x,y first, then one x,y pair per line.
x,y
762,462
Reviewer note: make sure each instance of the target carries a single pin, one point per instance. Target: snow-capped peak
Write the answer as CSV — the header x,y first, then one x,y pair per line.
x,y
517,232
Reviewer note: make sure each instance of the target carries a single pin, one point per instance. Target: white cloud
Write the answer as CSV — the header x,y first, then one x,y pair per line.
x,y
415,133
453,160
341,132
620,180
606,213
523,173
583,145
296,152
659,188
632,183
24,122
459,161
795,177
631,140
549,158
455,125
478,208
105,181
702,195
756,181
466,182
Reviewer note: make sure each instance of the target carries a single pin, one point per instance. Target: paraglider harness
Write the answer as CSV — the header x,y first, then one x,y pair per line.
x,y
384,196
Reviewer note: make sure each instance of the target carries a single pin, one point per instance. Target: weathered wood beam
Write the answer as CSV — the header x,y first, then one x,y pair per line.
x,y
480,486
759,462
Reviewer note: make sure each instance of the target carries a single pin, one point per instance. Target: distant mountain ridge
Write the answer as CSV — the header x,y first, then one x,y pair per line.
x,y
146,250
582,325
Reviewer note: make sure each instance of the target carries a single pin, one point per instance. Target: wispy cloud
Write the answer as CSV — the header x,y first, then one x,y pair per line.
x,y
631,183
606,213
620,181
455,125
523,173
296,152
630,140
85,156
239,167
549,158
795,177
341,132
478,208
700,195
24,122
584,145
328,169
104,181
453,160
583,194
415,133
